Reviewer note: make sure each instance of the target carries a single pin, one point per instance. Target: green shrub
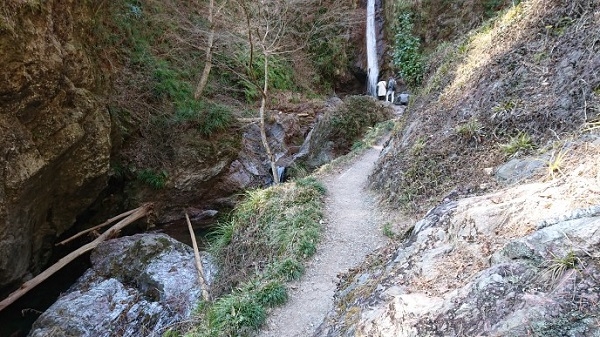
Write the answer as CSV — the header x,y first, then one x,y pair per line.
x,y
153,178
406,55
358,145
492,7
328,52
351,121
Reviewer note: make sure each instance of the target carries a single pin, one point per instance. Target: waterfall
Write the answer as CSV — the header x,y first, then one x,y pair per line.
x,y
372,62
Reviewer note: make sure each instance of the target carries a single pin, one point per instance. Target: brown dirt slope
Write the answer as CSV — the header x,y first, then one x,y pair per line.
x,y
531,72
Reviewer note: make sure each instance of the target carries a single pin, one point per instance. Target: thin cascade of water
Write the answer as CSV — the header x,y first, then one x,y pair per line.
x,y
372,62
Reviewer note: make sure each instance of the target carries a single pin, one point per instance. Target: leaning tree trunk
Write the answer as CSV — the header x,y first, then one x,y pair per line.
x,y
209,52
263,132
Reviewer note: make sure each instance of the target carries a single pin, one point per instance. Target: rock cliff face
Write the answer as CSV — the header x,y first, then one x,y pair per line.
x,y
54,130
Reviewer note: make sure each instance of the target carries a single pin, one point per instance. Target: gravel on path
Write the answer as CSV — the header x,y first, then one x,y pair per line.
x,y
351,231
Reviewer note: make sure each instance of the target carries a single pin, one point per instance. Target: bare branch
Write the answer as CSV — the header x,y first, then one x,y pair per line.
x,y
27,286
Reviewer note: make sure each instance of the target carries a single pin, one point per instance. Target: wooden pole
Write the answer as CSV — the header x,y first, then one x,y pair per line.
x,y
15,295
105,223
201,279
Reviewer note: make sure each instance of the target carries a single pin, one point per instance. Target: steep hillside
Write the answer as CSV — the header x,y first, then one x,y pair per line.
x,y
444,21
524,83
184,149
503,141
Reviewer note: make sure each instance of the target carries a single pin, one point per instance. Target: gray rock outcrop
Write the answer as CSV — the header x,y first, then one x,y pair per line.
x,y
518,262
137,286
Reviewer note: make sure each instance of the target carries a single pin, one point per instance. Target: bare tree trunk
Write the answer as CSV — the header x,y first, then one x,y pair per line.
x,y
263,132
209,52
139,213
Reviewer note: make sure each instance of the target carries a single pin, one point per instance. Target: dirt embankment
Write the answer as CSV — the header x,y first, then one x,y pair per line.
x,y
530,76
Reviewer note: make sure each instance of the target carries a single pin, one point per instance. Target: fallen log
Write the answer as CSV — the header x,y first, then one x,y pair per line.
x,y
105,223
112,231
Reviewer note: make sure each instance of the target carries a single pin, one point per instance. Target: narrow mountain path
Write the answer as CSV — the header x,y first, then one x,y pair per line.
x,y
351,231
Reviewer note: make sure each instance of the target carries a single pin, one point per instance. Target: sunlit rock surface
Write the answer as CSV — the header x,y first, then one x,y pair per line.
x,y
137,285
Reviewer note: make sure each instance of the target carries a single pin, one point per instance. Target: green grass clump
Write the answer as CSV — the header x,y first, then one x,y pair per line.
x,y
521,143
559,265
272,294
280,75
261,247
236,314
388,231
241,312
471,130
288,269
156,180
556,163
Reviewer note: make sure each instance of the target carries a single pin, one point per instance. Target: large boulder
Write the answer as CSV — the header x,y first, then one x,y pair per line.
x,y
54,128
137,286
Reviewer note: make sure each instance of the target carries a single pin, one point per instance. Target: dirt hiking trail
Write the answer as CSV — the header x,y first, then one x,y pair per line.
x,y
351,231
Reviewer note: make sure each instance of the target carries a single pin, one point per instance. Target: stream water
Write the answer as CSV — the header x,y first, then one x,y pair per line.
x,y
372,61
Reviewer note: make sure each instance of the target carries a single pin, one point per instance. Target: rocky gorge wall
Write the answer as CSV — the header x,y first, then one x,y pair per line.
x,y
54,129
56,142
